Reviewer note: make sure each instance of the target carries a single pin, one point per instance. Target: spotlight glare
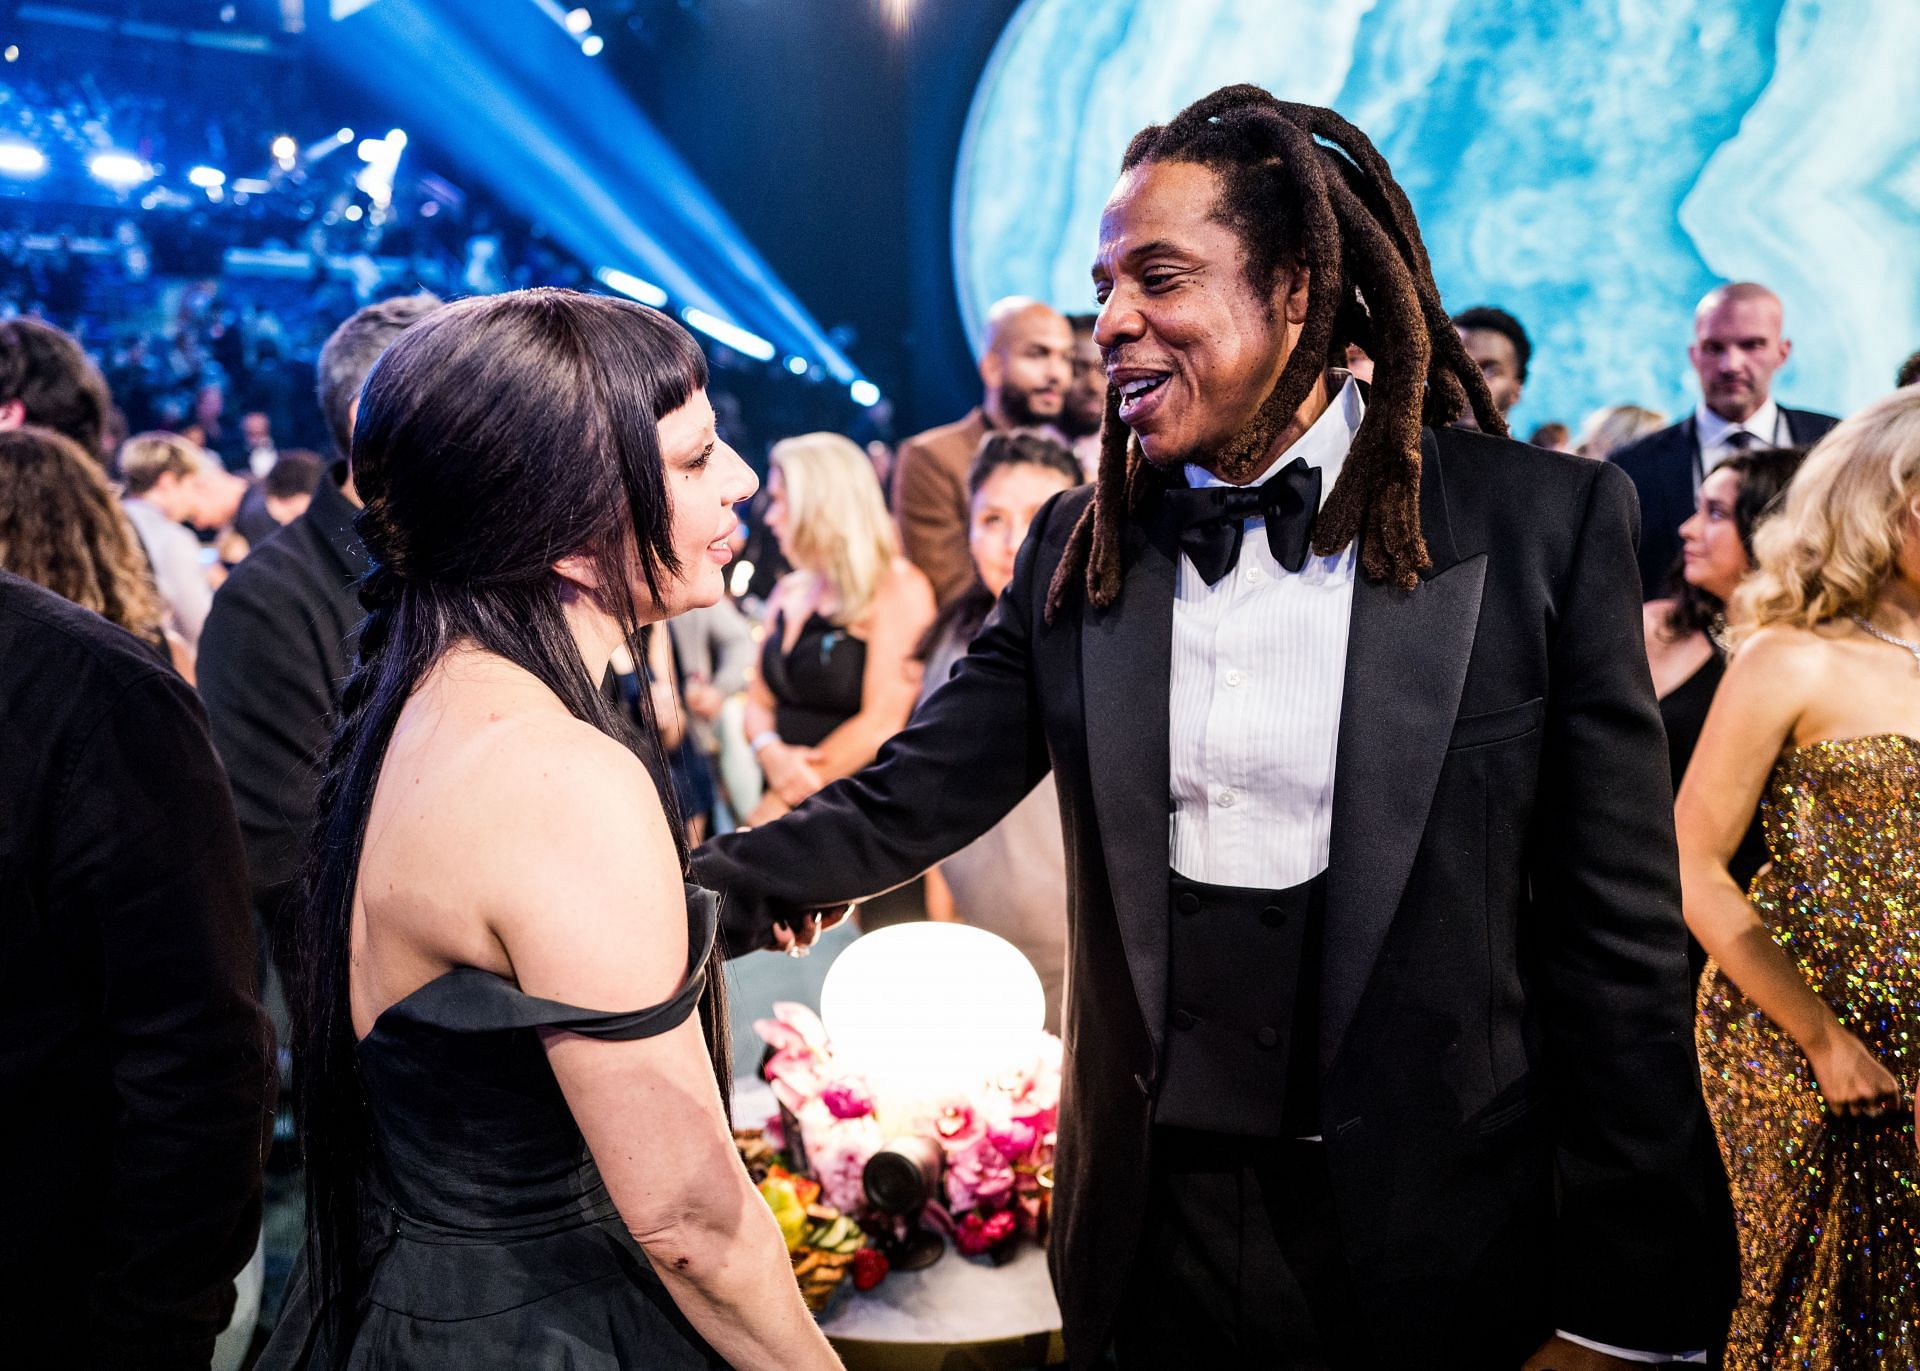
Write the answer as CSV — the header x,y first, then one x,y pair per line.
x,y
578,21
353,213
865,393
646,292
284,148
251,185
397,137
21,159
797,365
732,335
12,53
345,135
119,169
207,178
592,44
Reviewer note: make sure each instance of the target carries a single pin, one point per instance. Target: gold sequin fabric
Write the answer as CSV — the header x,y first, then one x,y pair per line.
x,y
1828,1209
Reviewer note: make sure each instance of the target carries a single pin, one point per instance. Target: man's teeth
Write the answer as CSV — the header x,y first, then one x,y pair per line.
x,y
1140,387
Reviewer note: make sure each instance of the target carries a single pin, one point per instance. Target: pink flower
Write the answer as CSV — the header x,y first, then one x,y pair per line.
x,y
838,1151
847,1098
1014,1138
978,1175
956,1125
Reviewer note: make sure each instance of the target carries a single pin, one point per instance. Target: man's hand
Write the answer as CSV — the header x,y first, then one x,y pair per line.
x,y
795,936
1557,1354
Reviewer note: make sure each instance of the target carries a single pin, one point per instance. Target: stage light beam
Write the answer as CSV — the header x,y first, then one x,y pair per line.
x,y
593,44
864,393
731,334
646,292
578,21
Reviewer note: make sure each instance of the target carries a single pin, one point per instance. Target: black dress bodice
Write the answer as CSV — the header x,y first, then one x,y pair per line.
x,y
817,683
495,1242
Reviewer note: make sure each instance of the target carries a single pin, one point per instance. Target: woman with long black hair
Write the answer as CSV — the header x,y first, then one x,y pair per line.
x,y
510,1046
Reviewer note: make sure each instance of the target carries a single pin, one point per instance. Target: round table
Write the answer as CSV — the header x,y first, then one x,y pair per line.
x,y
957,1315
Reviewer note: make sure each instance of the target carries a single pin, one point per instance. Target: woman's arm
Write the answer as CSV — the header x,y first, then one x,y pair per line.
x,y
891,683
1766,689
591,913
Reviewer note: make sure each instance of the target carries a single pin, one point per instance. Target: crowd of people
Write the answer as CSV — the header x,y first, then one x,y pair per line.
x,y
1316,742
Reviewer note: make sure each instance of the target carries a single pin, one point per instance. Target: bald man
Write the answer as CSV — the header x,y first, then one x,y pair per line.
x,y
1026,369
1739,342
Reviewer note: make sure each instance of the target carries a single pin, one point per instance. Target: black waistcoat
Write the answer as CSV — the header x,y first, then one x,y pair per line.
x,y
1243,1010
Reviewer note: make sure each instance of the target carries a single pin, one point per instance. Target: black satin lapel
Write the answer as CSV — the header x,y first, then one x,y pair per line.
x,y
1407,654
1126,660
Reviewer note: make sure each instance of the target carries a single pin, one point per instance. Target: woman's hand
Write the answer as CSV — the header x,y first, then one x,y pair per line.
x,y
790,772
1851,1078
703,700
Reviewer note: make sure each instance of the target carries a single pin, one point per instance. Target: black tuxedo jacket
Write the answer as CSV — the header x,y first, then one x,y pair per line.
x,y
1661,466
1512,1111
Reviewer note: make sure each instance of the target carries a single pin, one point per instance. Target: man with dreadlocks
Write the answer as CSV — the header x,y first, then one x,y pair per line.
x,y
1378,1022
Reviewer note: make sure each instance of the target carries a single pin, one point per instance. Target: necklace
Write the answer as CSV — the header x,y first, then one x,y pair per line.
x,y
1886,637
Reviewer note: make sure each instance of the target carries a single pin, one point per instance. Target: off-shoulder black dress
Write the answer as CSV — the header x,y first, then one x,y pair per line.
x,y
496,1244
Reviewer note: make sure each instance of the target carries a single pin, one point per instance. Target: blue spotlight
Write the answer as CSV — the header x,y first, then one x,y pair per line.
x,y
207,178
21,159
646,292
120,169
745,343
865,393
797,365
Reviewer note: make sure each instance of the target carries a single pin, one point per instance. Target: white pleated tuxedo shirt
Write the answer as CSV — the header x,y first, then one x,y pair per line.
x,y
1259,667
1259,670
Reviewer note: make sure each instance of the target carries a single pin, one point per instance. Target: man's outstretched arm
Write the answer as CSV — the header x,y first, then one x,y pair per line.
x,y
972,751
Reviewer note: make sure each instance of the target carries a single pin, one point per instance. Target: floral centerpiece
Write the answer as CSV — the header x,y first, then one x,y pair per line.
x,y
938,1115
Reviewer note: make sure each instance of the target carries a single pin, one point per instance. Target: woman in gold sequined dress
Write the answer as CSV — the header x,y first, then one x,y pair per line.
x,y
1809,1024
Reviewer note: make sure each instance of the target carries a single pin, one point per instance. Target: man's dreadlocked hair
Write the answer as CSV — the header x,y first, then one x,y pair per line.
x,y
1302,186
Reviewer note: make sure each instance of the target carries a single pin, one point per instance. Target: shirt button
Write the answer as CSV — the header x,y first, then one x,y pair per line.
x,y
1255,575
1182,1019
1267,1037
1189,902
1234,678
1273,916
1227,799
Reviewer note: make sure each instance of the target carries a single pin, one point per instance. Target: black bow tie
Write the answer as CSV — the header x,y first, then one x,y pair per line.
x,y
1213,519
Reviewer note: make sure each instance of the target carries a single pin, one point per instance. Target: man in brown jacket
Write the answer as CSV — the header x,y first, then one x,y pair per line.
x,y
1026,369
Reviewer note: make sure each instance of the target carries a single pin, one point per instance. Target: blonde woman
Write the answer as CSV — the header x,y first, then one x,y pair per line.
x,y
1615,427
1809,1025
837,674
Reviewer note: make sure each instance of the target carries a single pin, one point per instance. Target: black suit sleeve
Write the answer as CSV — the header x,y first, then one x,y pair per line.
x,y
266,692
1640,1231
148,853
972,751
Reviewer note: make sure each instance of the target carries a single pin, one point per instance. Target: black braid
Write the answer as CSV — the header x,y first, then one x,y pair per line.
x,y
1303,187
